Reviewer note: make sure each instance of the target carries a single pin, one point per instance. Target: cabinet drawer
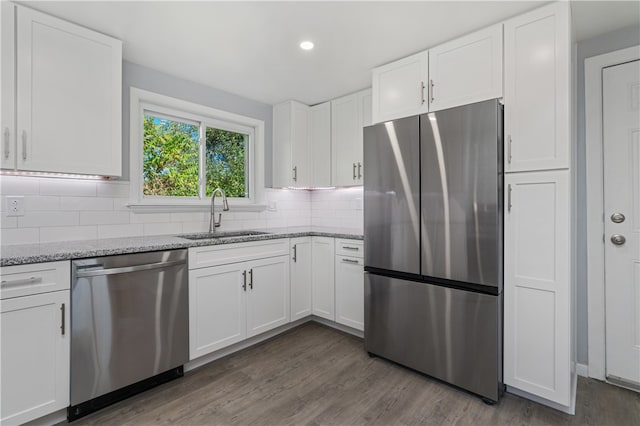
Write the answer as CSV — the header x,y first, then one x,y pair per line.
x,y
25,280
349,248
349,260
222,254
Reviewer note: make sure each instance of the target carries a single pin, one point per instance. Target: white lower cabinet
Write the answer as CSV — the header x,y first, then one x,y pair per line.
x,y
35,341
537,287
350,291
300,273
231,302
322,277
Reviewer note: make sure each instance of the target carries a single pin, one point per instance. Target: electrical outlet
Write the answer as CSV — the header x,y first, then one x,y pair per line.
x,y
273,206
15,206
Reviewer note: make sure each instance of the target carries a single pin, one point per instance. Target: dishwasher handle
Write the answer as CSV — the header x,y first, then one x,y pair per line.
x,y
127,269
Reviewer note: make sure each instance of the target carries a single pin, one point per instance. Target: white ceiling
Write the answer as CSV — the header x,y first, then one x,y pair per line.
x,y
251,48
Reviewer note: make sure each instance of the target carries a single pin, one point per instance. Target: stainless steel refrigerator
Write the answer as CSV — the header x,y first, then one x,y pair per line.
x,y
433,244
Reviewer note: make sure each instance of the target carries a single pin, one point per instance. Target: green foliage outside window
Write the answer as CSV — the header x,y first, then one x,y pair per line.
x,y
171,159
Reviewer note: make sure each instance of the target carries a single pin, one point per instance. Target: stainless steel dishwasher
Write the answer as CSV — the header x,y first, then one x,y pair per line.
x,y
129,326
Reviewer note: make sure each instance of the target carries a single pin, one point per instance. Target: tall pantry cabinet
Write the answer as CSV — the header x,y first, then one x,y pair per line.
x,y
538,308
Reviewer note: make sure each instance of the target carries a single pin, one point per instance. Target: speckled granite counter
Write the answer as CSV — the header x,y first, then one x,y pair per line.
x,y
35,253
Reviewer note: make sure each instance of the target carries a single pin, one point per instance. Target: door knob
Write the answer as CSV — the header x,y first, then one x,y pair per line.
x,y
617,218
618,239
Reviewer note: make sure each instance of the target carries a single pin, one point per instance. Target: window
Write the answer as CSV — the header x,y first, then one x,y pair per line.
x,y
181,152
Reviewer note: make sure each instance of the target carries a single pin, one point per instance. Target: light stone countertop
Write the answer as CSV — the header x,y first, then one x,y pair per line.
x,y
48,252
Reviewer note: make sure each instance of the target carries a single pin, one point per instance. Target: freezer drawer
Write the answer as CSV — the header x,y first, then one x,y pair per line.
x,y
452,335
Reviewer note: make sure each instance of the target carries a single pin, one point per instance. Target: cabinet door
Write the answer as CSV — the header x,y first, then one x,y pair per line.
x,y
35,356
291,145
69,97
300,145
364,119
300,277
466,70
344,138
399,88
537,317
320,141
537,89
350,291
322,277
216,308
7,109
268,294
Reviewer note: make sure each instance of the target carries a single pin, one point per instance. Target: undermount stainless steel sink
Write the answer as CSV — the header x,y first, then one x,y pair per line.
x,y
229,234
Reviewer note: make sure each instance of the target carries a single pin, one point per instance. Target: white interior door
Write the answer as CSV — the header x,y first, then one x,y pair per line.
x,y
621,135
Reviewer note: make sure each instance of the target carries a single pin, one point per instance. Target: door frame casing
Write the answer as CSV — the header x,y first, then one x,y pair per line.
x,y
595,203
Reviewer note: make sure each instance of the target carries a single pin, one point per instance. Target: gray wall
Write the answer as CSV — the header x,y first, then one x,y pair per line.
x,y
616,40
134,75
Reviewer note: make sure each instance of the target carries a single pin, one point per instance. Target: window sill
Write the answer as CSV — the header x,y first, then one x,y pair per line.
x,y
182,208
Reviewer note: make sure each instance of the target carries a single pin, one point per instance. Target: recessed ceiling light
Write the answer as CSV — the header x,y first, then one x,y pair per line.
x,y
306,45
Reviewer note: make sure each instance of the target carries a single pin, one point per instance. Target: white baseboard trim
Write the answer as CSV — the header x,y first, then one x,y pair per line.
x,y
54,418
582,370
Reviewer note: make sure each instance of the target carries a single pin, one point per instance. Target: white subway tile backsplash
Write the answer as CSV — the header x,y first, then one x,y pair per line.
x,y
104,218
48,218
19,236
64,209
118,231
67,233
113,189
68,187
86,203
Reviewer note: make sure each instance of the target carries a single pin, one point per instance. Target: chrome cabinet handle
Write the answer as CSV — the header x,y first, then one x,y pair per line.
x,y
351,248
354,171
359,172
62,324
431,84
295,252
251,278
295,173
422,92
30,280
509,198
24,144
618,239
350,261
6,142
244,280
509,149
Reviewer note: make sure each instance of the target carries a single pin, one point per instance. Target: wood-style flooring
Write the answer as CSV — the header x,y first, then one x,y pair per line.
x,y
316,375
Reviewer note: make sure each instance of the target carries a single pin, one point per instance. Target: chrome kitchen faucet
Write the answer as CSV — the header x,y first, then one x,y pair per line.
x,y
213,224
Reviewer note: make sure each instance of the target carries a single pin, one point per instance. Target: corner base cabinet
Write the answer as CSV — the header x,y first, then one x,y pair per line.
x,y
300,277
34,317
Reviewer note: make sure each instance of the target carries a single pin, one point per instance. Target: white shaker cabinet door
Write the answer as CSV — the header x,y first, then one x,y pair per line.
x,y
69,91
345,136
399,88
7,109
466,70
537,317
35,356
320,144
267,294
322,277
537,89
350,291
217,314
300,277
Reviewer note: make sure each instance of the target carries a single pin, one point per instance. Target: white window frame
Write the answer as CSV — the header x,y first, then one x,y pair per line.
x,y
143,100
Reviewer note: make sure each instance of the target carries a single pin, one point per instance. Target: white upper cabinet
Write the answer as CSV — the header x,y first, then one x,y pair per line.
x,y
7,111
466,70
69,97
320,141
291,163
537,286
349,114
537,89
399,88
